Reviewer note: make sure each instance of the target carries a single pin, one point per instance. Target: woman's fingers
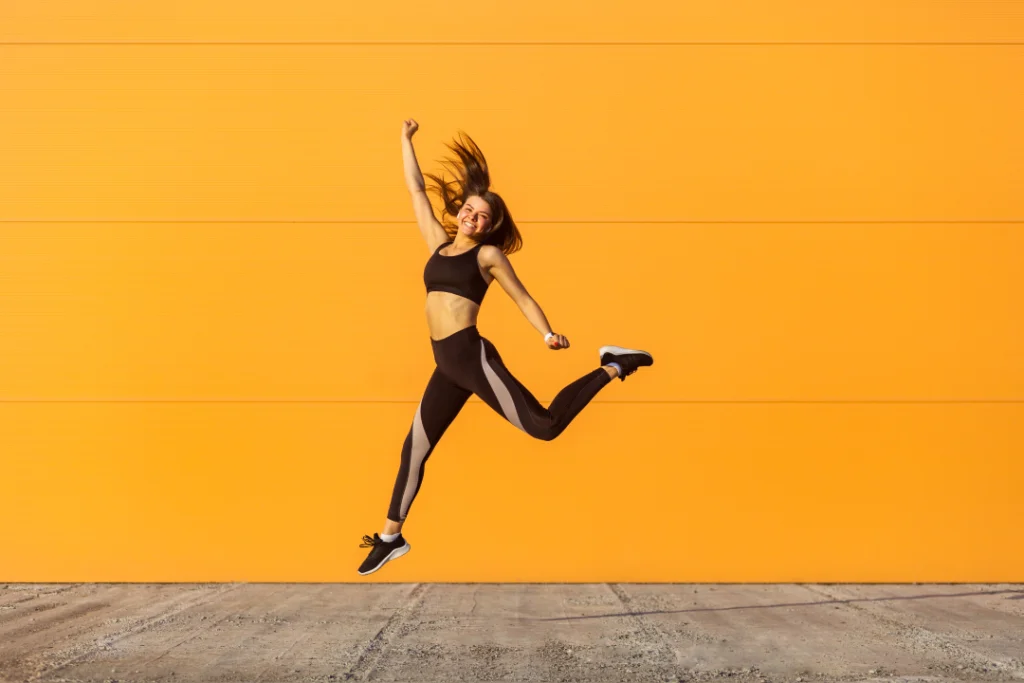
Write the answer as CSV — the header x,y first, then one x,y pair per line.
x,y
558,342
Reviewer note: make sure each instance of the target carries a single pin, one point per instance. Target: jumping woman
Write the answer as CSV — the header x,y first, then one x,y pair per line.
x,y
465,257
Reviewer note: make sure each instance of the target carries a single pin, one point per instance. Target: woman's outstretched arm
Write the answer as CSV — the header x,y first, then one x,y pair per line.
x,y
500,267
430,228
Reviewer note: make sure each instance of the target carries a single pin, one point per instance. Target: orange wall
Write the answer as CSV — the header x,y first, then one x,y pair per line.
x,y
212,338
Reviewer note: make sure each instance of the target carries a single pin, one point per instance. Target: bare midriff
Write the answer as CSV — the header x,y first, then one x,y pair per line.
x,y
448,313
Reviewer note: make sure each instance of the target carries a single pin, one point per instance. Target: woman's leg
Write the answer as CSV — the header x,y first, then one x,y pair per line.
x,y
493,382
442,400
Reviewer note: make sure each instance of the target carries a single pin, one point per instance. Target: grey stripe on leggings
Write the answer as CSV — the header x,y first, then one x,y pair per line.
x,y
420,447
508,406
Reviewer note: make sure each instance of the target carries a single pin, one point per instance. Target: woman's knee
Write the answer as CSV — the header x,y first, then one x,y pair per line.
x,y
545,432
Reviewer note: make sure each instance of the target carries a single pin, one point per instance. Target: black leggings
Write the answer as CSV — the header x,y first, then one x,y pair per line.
x,y
469,364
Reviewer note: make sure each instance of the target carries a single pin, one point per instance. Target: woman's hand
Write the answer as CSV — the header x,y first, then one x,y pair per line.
x,y
409,128
557,341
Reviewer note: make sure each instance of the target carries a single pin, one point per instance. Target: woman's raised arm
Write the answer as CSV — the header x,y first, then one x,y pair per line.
x,y
430,228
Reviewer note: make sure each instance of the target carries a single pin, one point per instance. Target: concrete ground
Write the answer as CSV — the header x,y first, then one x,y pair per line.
x,y
511,632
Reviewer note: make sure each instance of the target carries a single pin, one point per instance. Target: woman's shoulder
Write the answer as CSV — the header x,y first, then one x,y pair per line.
x,y
491,251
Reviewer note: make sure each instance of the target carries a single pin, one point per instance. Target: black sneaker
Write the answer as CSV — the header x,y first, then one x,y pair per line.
x,y
628,359
381,552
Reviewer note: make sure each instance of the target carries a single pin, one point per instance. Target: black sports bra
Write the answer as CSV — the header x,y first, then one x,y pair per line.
x,y
457,274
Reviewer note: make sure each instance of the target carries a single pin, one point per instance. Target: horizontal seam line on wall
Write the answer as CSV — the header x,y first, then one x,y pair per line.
x,y
525,43
527,222
416,401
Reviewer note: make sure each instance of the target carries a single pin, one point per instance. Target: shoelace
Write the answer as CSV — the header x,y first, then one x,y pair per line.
x,y
368,542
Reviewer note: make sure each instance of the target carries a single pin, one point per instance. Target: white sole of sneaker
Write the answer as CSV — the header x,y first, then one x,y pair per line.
x,y
393,555
619,351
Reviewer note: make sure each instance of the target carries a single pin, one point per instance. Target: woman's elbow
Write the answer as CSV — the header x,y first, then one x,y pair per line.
x,y
526,303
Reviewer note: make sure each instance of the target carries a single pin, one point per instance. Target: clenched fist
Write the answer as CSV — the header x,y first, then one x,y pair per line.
x,y
557,341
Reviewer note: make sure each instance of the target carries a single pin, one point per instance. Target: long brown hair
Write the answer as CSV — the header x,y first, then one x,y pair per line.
x,y
473,178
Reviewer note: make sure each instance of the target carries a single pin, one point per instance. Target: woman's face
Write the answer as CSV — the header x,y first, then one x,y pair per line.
x,y
475,217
